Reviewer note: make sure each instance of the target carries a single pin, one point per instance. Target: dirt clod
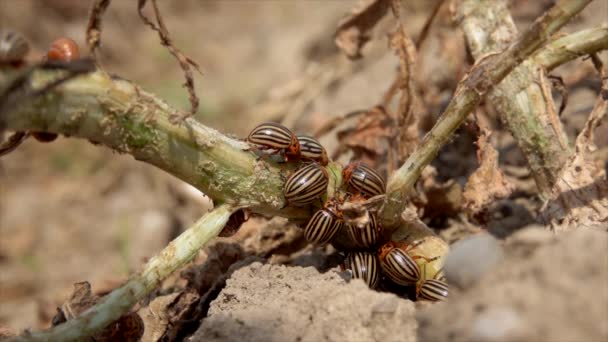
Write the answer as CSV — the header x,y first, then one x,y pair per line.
x,y
278,303
553,292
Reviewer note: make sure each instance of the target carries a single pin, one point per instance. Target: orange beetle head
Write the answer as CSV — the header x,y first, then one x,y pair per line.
x,y
294,147
385,249
347,172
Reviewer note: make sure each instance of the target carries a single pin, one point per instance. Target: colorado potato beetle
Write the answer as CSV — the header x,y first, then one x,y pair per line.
x,y
322,227
367,236
274,136
63,49
398,265
363,179
307,184
364,266
13,47
432,290
311,149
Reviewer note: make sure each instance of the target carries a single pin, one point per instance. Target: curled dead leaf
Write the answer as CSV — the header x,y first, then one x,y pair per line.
x,y
487,184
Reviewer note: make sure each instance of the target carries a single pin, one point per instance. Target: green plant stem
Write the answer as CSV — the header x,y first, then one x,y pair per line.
x,y
118,114
481,78
572,46
179,252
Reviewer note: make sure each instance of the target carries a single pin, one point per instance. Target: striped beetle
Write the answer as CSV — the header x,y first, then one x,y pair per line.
x,y
13,47
367,236
311,149
363,179
274,136
398,263
307,184
364,266
322,227
433,290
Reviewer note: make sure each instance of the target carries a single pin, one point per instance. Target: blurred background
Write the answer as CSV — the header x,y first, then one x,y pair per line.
x,y
71,211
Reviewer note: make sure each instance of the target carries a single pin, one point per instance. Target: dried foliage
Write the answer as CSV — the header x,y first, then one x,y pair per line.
x,y
580,196
487,184
185,62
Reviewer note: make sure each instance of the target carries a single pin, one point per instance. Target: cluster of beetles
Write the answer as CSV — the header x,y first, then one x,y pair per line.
x,y
308,185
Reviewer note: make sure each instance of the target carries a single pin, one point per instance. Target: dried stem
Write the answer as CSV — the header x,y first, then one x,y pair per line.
x,y
482,77
523,99
179,252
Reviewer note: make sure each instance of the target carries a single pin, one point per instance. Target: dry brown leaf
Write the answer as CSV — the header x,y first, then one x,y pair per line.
x,y
580,196
404,48
352,32
371,137
487,183
166,315
128,328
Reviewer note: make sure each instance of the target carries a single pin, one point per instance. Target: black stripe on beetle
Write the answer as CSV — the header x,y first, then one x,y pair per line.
x,y
271,135
367,236
363,179
364,266
433,290
398,265
310,148
322,227
305,185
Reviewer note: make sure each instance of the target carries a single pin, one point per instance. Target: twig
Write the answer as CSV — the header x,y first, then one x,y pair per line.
x,y
184,61
179,252
93,30
572,46
482,77
427,24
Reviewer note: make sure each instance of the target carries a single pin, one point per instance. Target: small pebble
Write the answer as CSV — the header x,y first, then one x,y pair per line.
x,y
497,324
470,258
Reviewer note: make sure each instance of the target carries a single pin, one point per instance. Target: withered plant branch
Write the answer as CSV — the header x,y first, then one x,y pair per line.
x,y
404,48
523,99
184,61
120,301
427,24
486,73
93,30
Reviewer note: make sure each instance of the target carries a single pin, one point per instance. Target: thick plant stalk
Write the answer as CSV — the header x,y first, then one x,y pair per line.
x,y
482,77
572,46
118,114
523,99
179,252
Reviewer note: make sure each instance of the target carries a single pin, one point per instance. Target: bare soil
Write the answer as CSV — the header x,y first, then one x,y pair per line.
x,y
72,212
